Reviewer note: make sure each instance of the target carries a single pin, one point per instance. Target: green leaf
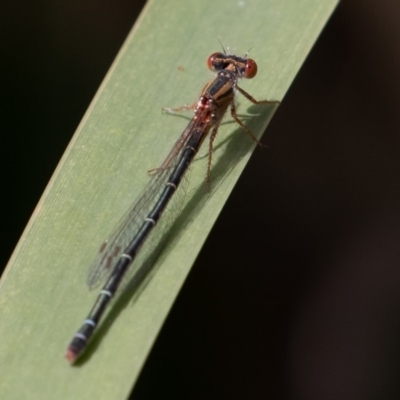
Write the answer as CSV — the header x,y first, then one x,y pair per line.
x,y
43,298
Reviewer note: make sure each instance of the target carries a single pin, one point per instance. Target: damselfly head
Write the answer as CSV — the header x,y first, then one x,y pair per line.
x,y
243,67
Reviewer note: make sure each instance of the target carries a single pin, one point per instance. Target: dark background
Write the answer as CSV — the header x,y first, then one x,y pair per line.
x,y
296,294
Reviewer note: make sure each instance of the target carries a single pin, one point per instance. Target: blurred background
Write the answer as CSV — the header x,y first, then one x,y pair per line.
x,y
296,294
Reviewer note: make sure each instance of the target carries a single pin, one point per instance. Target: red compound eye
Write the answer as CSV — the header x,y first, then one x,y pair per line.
x,y
251,69
211,61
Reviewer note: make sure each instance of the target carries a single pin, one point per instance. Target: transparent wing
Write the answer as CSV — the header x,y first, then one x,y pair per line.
x,y
113,247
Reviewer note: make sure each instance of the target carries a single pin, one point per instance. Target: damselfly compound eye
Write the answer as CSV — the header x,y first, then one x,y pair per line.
x,y
251,69
212,60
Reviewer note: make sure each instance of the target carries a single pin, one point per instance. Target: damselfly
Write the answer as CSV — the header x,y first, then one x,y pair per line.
x,y
117,254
